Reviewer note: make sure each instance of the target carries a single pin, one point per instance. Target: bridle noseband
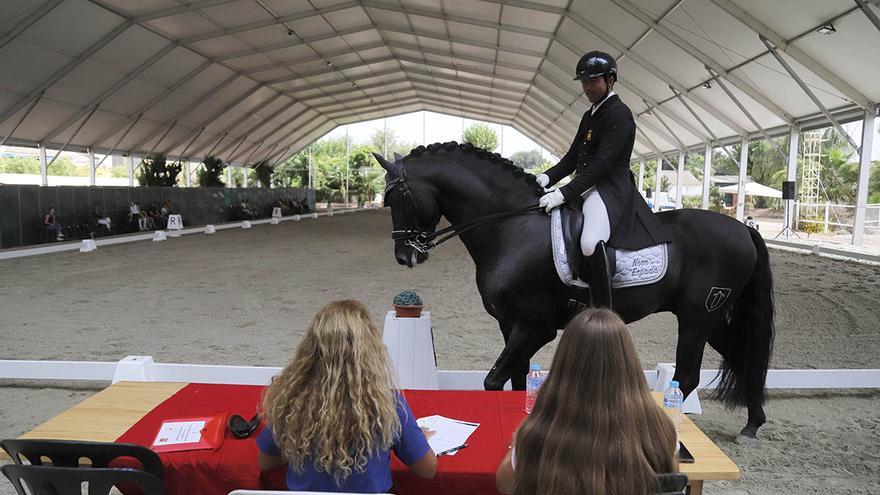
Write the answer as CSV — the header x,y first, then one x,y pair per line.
x,y
421,240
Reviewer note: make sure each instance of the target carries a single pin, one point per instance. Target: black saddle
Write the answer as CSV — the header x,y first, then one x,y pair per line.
x,y
572,225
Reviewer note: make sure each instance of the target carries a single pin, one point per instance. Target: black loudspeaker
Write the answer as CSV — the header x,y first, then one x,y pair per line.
x,y
648,193
788,189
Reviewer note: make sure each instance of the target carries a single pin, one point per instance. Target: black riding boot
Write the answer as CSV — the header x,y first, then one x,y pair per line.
x,y
600,277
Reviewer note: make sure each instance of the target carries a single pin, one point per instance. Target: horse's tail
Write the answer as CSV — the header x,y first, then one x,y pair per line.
x,y
749,336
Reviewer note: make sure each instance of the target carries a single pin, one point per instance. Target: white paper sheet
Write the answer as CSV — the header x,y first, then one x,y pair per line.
x,y
179,432
448,433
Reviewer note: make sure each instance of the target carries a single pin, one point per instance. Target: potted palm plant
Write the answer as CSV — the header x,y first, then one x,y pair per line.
x,y
408,304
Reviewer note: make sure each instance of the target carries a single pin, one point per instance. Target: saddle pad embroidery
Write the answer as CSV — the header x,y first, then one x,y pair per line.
x,y
632,268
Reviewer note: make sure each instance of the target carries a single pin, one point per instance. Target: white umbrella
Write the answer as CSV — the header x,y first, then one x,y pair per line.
x,y
753,189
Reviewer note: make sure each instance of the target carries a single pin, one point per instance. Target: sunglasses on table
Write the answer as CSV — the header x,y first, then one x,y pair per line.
x,y
241,427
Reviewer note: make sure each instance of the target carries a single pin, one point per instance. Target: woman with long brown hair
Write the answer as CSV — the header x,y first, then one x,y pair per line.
x,y
332,413
595,428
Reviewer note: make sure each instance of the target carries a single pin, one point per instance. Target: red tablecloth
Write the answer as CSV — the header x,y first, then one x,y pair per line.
x,y
233,465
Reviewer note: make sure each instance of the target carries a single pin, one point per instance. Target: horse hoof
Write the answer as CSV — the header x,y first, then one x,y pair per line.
x,y
746,440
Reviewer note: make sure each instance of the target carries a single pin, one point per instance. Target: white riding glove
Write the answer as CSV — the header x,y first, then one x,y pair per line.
x,y
543,180
551,200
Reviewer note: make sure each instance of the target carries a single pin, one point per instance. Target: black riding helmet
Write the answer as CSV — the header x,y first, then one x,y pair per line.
x,y
595,64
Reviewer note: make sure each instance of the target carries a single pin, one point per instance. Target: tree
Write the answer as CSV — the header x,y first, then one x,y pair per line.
x,y
209,176
263,173
155,171
530,160
395,145
481,136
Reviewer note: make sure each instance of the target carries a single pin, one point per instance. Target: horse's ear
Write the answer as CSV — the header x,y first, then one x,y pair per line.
x,y
397,157
389,167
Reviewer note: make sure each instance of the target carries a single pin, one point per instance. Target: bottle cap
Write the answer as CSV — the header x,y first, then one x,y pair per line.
x,y
673,384
535,367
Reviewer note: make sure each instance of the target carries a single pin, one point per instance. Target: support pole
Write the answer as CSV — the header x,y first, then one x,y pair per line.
x,y
229,175
384,142
44,166
130,170
92,167
741,189
657,183
310,179
707,175
678,180
347,166
869,126
188,171
793,143
641,175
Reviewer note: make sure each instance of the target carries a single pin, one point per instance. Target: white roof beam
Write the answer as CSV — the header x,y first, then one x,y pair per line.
x,y
696,116
796,53
109,91
28,21
63,71
259,124
186,110
675,138
277,128
23,116
145,107
718,114
350,90
866,9
252,150
449,17
295,42
317,58
794,75
693,51
746,113
250,113
180,10
269,23
463,41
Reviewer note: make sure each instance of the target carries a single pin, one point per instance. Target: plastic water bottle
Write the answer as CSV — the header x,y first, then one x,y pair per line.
x,y
533,383
672,400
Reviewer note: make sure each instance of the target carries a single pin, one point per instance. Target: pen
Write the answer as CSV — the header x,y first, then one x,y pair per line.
x,y
452,450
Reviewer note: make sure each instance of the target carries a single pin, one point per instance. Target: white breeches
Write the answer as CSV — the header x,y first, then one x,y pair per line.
x,y
596,225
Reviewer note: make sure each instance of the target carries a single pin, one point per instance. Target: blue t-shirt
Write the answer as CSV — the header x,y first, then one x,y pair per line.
x,y
410,447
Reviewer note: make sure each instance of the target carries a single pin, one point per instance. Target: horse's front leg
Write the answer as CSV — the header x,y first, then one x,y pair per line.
x,y
513,363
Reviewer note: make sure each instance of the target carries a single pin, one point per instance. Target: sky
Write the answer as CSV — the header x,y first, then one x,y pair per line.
x,y
438,128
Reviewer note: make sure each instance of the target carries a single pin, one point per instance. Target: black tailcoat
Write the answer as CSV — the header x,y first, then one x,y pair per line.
x,y
600,155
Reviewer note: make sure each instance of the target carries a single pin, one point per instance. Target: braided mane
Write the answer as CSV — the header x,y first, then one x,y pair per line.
x,y
487,156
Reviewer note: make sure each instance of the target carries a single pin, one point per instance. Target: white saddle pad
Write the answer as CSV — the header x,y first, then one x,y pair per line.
x,y
633,268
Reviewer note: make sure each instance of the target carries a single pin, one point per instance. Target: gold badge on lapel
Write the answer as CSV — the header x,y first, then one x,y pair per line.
x,y
589,135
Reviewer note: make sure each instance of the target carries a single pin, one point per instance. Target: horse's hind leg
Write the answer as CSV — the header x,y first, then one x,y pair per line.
x,y
754,401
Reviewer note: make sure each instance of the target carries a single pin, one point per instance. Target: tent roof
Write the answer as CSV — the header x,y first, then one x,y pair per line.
x,y
753,189
261,79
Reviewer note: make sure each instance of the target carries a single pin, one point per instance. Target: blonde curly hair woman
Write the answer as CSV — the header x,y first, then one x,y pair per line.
x,y
332,413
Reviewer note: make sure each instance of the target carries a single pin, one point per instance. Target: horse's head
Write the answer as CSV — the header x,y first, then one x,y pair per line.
x,y
414,212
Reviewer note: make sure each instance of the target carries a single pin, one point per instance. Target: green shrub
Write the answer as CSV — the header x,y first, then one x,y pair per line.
x,y
155,171
210,175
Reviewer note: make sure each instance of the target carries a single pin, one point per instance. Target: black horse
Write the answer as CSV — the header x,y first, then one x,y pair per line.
x,y
718,282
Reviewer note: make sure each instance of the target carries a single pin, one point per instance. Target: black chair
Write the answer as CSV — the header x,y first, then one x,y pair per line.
x,y
67,453
672,483
52,480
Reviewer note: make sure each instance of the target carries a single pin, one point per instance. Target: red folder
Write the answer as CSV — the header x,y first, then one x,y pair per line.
x,y
212,435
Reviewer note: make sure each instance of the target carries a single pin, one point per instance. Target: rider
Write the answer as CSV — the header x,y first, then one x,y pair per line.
x,y
604,186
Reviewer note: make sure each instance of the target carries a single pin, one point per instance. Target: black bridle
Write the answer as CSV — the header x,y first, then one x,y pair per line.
x,y
422,240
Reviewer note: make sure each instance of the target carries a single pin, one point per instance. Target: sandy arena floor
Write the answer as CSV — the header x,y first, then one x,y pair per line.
x,y
245,296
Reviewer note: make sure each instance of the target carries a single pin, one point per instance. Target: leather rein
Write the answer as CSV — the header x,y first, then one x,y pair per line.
x,y
423,241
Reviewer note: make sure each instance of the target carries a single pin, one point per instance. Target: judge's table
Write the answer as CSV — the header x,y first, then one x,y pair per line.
x,y
114,411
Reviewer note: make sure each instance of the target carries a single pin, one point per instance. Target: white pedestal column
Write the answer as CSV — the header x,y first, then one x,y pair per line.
x,y
410,344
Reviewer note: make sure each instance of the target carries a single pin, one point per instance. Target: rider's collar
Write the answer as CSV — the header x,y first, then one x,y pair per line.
x,y
597,105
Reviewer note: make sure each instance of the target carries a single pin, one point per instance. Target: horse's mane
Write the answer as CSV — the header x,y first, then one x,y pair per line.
x,y
480,153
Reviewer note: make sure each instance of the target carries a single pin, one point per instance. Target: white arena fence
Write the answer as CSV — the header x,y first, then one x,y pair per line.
x,y
147,236
144,368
